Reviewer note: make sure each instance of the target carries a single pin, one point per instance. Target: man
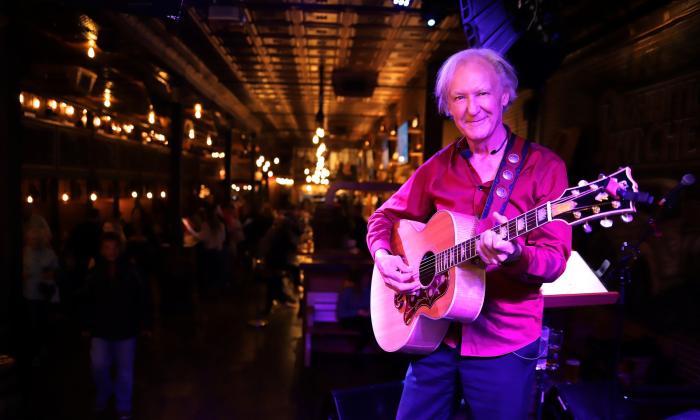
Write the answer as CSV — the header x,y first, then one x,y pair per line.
x,y
117,309
490,362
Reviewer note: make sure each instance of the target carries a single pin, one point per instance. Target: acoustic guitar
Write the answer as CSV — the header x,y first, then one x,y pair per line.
x,y
440,253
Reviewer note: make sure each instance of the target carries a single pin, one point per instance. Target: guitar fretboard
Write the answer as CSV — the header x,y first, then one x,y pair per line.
x,y
513,228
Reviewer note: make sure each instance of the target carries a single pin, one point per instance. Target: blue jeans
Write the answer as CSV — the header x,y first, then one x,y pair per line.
x,y
120,353
493,388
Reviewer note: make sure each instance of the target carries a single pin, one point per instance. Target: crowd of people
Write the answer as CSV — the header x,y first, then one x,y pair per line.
x,y
98,283
105,275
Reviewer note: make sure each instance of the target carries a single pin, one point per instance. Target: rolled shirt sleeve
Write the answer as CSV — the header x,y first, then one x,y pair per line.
x,y
412,201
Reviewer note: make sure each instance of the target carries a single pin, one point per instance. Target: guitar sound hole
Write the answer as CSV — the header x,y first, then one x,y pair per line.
x,y
427,268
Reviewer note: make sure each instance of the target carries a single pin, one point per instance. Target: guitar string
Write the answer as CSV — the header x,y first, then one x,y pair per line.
x,y
530,216
530,219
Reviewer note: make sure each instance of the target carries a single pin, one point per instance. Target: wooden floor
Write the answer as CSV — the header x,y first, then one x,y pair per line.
x,y
205,362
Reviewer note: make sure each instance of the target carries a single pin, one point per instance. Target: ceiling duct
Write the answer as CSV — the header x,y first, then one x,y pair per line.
x,y
226,14
354,83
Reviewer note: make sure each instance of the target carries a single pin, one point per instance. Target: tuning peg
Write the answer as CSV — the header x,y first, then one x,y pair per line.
x,y
582,183
587,228
627,217
606,223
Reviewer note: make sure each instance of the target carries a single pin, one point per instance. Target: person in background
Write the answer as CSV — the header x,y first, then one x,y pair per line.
x,y
84,243
234,234
115,226
353,307
140,240
278,250
116,310
39,287
357,229
212,235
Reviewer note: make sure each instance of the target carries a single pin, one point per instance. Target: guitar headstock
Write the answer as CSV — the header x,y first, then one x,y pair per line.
x,y
597,199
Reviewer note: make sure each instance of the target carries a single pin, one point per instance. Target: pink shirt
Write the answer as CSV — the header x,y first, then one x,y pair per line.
x,y
512,313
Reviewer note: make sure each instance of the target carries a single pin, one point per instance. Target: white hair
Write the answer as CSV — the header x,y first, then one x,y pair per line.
x,y
505,72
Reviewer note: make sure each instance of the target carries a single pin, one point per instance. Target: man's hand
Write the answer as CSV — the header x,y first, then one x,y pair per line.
x,y
396,273
493,249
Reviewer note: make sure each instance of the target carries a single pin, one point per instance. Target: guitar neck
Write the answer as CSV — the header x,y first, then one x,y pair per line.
x,y
465,251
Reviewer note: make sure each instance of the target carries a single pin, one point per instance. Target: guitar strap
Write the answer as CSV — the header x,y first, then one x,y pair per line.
x,y
507,175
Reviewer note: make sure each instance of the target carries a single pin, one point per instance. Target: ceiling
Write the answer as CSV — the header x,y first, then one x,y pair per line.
x,y
258,61
268,53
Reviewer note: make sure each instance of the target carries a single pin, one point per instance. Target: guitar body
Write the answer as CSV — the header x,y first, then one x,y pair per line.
x,y
417,322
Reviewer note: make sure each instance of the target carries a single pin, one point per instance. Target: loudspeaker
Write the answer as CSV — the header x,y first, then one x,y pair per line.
x,y
376,402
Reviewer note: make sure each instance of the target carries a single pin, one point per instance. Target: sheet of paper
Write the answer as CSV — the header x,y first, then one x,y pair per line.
x,y
577,279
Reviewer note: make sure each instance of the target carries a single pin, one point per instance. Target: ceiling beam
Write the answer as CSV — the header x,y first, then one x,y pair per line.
x,y
217,45
184,62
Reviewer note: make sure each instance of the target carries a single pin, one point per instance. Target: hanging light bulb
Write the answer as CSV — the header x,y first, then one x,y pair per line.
x,y
197,111
149,195
320,132
209,142
52,104
134,194
36,103
65,197
315,140
21,98
190,134
93,197
151,116
107,96
91,45
70,111
96,121
276,161
30,199
162,194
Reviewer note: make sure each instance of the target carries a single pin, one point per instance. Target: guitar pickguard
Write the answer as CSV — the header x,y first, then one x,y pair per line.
x,y
410,303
